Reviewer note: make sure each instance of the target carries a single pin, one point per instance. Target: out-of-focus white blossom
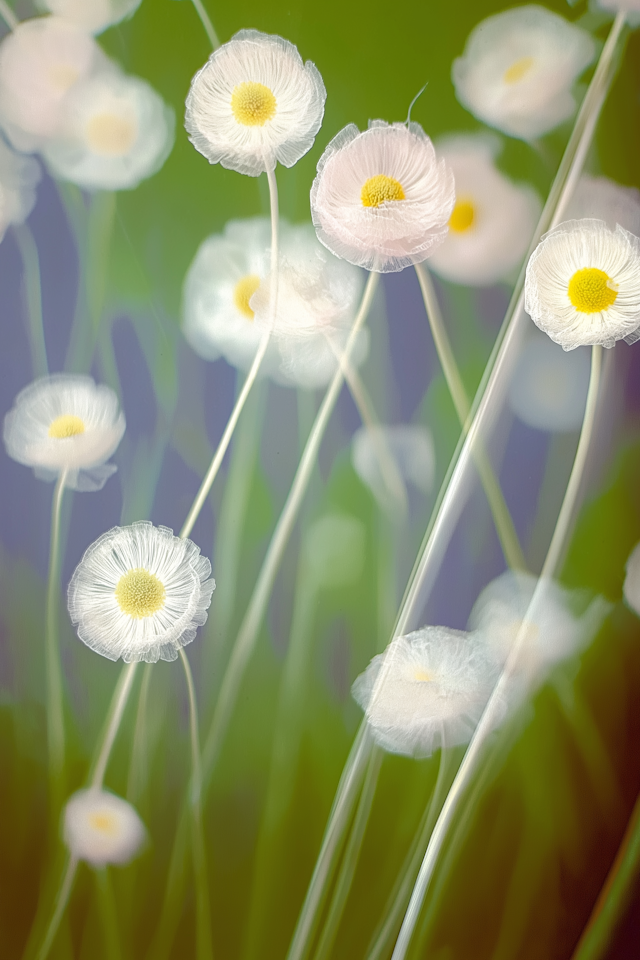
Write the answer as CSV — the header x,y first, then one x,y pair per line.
x,y
631,589
413,452
334,550
598,198
101,828
549,386
518,70
92,15
19,177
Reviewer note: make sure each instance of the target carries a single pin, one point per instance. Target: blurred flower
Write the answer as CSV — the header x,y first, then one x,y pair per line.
x,y
92,15
381,199
101,828
411,448
583,284
426,690
255,103
518,69
334,550
631,588
601,199
114,131
549,386
65,422
493,219
140,593
18,179
632,7
40,61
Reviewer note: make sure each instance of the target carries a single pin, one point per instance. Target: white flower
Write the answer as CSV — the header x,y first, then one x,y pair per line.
x,y
631,7
493,220
101,828
92,15
334,550
518,69
140,593
65,422
114,131
410,446
601,199
40,61
255,103
18,179
631,588
549,386
583,284
426,690
381,199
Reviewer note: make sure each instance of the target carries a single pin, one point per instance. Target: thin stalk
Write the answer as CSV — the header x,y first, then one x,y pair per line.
x,y
169,919
8,15
61,904
108,915
205,20
501,517
114,718
33,293
55,709
138,764
204,949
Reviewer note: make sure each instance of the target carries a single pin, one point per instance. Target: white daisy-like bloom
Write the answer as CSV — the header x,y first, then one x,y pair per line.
x,y
19,177
548,389
255,103
582,284
92,15
40,61
631,588
114,131
427,689
413,452
493,220
334,550
140,593
65,423
101,828
381,199
518,69
599,198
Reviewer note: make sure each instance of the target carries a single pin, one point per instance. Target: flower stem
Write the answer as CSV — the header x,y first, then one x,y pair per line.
x,y
205,19
114,718
8,15
108,915
55,710
58,912
138,769
33,291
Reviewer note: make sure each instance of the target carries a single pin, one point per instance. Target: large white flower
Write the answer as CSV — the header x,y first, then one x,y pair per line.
x,y
413,452
583,284
518,69
101,828
428,689
493,220
114,131
599,198
381,199
140,593
18,179
92,15
255,103
65,422
548,389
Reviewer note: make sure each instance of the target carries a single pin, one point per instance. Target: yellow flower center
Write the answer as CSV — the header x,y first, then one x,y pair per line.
x,y
253,104
380,189
591,290
518,70
244,290
104,822
110,135
423,676
68,425
140,593
463,216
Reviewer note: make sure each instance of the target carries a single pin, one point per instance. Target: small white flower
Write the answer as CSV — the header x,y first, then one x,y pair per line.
x,y
40,61
381,199
583,284
426,690
410,446
518,70
334,550
255,103
65,422
598,198
101,828
92,15
549,386
140,593
493,220
114,131
631,588
18,179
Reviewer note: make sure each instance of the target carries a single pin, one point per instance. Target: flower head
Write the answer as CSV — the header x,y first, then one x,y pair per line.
x,y
114,131
427,690
255,103
92,15
631,589
601,199
381,199
65,423
18,179
140,593
548,389
518,70
410,446
101,828
493,220
583,284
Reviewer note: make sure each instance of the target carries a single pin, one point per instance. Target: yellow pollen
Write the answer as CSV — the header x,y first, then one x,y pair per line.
x,y
253,104
463,216
140,593
591,290
110,135
104,822
423,676
244,290
380,189
518,70
68,425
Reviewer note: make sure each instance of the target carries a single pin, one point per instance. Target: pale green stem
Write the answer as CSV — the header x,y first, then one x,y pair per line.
x,y
8,15
108,915
138,771
58,912
205,19
114,718
33,292
55,709
169,919
502,518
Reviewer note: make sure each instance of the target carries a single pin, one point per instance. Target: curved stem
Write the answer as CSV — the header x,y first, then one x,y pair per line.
x,y
33,291
55,711
8,15
205,19
114,718
58,912
138,771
